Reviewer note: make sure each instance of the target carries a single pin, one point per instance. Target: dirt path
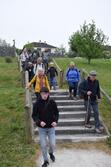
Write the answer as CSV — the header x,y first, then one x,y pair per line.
x,y
80,157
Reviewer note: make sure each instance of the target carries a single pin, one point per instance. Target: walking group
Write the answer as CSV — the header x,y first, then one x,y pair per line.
x,y
42,72
45,111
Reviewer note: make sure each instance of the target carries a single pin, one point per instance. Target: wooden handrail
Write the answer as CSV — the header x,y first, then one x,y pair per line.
x,y
28,111
61,73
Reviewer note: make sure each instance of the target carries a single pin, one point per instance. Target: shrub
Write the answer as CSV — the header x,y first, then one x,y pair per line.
x,y
8,60
108,141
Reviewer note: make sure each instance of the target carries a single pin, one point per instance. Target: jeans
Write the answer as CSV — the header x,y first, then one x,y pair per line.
x,y
94,106
73,87
53,82
43,134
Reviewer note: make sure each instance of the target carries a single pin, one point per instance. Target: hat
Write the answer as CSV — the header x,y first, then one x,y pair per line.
x,y
93,73
44,89
29,62
72,63
51,63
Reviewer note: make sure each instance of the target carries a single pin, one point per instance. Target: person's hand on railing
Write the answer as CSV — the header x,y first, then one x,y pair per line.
x,y
28,86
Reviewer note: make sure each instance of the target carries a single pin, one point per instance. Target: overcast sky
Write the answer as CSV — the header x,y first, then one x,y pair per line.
x,y
52,21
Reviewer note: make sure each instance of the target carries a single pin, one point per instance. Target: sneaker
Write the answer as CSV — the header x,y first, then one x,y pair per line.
x,y
88,126
101,128
45,164
98,130
70,98
52,157
74,98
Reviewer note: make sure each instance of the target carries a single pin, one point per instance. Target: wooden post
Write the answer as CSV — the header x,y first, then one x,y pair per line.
x,y
28,112
22,74
61,78
61,73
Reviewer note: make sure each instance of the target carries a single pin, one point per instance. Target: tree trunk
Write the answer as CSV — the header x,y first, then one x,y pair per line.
x,y
89,61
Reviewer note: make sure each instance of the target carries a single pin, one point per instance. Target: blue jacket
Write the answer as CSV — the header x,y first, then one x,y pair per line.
x,y
72,75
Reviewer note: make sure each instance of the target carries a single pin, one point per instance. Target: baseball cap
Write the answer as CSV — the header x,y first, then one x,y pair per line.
x,y
93,73
51,64
44,89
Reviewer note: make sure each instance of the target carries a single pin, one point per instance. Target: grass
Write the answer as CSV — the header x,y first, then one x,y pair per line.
x,y
103,68
97,145
14,151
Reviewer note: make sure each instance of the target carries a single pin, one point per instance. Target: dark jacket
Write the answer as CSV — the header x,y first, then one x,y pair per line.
x,y
53,72
88,85
46,111
30,71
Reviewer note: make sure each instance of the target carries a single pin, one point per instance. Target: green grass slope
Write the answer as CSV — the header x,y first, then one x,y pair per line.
x,y
14,152
103,68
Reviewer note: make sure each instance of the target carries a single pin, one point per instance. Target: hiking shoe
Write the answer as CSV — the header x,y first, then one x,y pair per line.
x,y
98,130
101,128
75,98
88,126
52,157
45,164
70,97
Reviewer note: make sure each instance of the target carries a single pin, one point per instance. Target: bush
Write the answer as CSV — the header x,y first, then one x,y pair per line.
x,y
108,141
8,60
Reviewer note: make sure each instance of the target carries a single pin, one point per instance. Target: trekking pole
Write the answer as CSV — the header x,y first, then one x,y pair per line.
x,y
87,113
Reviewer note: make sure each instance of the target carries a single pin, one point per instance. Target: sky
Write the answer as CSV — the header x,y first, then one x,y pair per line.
x,y
53,21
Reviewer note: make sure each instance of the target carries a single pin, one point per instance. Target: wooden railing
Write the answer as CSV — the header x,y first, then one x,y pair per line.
x,y
61,74
28,111
28,102
22,73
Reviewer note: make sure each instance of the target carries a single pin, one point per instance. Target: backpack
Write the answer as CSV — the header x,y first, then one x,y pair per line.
x,y
74,69
81,86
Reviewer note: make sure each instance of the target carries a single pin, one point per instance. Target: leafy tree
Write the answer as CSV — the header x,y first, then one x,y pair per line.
x,y
88,42
61,50
28,46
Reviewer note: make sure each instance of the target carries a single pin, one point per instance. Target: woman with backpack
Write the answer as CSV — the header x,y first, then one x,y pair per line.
x,y
72,77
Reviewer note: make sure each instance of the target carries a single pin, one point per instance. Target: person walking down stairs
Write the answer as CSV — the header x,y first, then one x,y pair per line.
x,y
52,76
40,80
72,77
90,90
45,115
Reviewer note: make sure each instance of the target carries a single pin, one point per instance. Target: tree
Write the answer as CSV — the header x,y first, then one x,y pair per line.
x,y
6,49
88,42
61,50
29,46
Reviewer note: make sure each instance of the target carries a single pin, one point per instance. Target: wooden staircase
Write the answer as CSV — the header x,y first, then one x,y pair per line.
x,y
71,121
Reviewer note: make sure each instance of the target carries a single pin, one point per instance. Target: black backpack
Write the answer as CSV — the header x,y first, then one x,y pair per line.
x,y
81,87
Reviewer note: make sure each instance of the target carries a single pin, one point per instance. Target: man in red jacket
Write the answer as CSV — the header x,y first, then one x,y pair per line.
x,y
45,115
